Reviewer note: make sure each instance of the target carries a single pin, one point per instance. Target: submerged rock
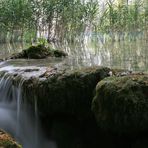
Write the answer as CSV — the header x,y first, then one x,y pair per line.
x,y
121,104
38,52
6,141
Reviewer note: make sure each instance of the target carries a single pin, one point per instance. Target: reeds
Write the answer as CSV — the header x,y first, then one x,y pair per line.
x,y
25,20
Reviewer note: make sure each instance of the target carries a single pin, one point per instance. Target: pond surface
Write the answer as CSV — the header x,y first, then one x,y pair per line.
x,y
130,55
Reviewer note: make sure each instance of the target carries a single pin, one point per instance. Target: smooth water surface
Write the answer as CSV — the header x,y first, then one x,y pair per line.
x,y
130,55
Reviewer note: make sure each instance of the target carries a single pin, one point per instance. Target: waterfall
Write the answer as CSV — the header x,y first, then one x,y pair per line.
x,y
16,118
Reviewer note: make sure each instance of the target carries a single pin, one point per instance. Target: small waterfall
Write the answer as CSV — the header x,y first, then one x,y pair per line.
x,y
36,121
16,118
17,92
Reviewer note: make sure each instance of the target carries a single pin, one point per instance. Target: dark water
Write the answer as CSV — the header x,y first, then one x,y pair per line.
x,y
131,55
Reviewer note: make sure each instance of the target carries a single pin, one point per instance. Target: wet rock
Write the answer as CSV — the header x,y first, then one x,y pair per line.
x,y
63,99
50,71
6,141
64,104
38,52
67,93
121,104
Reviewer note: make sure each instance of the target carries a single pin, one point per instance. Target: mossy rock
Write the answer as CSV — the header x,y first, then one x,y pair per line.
x,y
67,93
121,104
38,52
63,99
6,141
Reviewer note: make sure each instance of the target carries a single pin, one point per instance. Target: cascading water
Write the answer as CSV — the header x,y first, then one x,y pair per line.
x,y
16,118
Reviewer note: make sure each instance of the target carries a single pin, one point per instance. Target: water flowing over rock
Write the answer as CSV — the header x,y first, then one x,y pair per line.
x,y
66,92
16,116
64,104
121,104
63,101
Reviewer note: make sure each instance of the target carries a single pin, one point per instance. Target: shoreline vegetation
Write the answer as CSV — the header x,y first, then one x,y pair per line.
x,y
54,20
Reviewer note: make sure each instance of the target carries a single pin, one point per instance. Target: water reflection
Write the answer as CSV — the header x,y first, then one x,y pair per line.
x,y
131,55
10,48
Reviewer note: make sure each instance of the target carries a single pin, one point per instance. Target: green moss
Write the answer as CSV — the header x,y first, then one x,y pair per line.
x,y
9,144
38,52
68,92
121,104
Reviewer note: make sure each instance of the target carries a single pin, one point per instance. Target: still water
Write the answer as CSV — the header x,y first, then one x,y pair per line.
x,y
130,55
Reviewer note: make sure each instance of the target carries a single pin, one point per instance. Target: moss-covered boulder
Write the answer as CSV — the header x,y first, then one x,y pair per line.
x,y
121,104
63,100
6,141
38,52
67,92
64,104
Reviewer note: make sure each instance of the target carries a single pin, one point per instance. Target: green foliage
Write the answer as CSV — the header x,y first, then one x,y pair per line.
x,y
68,18
42,41
123,17
27,20
15,17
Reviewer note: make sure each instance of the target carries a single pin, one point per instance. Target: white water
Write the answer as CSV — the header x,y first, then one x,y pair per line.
x,y
17,119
